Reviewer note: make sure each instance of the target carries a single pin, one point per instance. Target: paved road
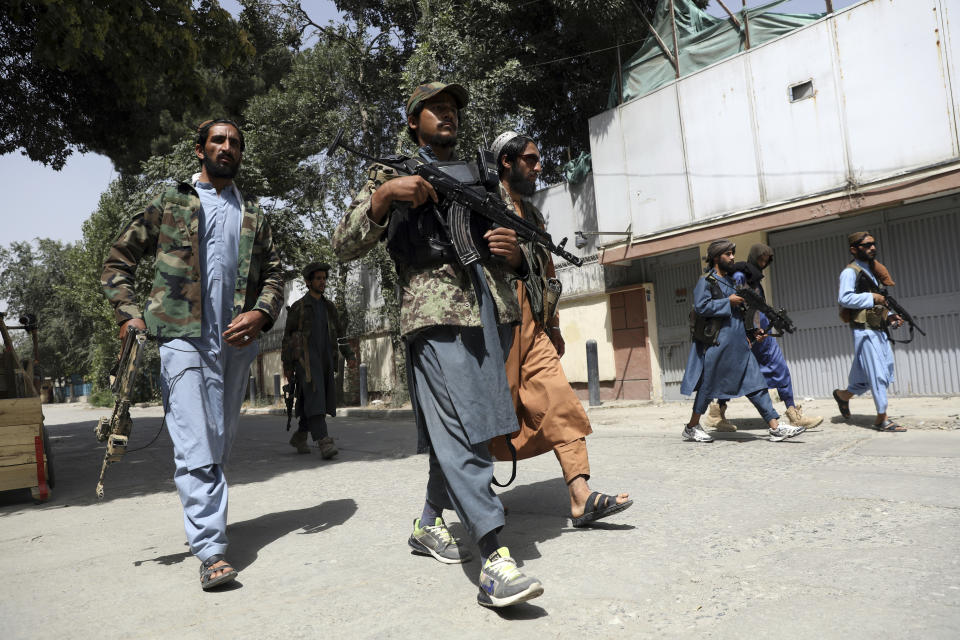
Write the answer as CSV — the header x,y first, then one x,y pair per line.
x,y
842,533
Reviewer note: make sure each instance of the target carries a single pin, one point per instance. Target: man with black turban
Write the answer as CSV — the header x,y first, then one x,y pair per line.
x,y
720,364
773,365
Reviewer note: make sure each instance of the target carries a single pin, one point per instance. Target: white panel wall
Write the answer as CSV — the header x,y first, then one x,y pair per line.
x,y
895,87
567,209
609,171
950,43
655,168
886,77
801,143
719,135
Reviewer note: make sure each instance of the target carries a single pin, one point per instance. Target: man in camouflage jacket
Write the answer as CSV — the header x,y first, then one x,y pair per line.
x,y
217,285
309,353
456,322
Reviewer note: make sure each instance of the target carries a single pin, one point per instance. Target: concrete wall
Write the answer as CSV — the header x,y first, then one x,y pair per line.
x,y
582,319
741,135
376,351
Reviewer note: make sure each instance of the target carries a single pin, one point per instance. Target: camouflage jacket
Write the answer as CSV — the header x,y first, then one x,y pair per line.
x,y
296,335
168,230
430,296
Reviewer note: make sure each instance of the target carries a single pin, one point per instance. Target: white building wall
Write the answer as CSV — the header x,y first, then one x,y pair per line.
x,y
728,139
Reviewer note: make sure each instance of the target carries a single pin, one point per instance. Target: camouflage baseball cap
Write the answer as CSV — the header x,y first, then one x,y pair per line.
x,y
431,89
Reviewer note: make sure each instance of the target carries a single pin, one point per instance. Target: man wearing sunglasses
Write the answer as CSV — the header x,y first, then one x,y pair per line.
x,y
865,310
773,364
550,416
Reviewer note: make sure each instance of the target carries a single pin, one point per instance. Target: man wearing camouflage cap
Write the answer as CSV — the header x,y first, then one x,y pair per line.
x,y
309,353
457,325
217,286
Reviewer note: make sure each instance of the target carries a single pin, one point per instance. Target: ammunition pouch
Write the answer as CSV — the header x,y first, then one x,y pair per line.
x,y
552,289
705,330
873,318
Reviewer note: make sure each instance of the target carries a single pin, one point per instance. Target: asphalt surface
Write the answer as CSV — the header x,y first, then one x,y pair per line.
x,y
842,532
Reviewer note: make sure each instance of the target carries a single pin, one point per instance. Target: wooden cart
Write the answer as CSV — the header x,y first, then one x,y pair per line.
x,y
24,447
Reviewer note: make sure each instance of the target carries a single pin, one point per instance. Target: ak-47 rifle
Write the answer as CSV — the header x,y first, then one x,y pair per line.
x,y
467,201
898,309
778,318
115,430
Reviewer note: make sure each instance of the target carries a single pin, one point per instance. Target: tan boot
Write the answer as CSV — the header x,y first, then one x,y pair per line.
x,y
797,419
299,442
327,448
716,418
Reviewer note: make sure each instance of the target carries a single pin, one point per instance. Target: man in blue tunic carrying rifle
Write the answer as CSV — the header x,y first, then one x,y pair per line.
x,y
721,364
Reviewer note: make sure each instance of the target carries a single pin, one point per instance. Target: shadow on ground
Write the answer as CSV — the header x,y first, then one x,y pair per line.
x,y
261,451
247,538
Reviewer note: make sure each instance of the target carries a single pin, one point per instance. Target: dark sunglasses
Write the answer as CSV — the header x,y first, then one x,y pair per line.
x,y
866,244
530,158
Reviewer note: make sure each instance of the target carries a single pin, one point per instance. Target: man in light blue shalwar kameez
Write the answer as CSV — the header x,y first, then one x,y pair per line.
x,y
209,377
872,368
217,285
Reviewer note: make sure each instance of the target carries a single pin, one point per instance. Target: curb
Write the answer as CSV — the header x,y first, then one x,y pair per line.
x,y
345,412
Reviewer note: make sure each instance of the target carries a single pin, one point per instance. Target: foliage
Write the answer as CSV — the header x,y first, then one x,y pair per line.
x,y
32,277
124,78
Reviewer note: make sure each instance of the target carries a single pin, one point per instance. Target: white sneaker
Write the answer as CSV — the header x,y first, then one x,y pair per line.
x,y
784,431
696,434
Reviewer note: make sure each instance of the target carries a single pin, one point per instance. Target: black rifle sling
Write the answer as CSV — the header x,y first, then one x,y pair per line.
x,y
513,469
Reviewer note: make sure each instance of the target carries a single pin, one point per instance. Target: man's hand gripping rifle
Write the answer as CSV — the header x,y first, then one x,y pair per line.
x,y
467,201
115,430
898,309
779,320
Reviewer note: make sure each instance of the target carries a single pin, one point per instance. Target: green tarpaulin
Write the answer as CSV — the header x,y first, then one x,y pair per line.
x,y
702,39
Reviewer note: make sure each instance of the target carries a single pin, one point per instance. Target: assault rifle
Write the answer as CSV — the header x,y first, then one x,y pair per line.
x,y
290,391
470,201
896,307
778,318
115,430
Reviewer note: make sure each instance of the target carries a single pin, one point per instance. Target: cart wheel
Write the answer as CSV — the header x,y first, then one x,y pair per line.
x,y
51,482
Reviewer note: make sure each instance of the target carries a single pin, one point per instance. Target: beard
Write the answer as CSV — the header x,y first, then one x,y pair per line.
x,y
517,179
440,140
215,170
726,266
864,256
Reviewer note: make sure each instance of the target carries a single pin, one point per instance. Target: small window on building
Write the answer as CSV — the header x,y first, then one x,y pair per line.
x,y
801,91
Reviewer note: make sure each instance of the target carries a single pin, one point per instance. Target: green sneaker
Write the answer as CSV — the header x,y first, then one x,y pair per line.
x,y
435,540
503,584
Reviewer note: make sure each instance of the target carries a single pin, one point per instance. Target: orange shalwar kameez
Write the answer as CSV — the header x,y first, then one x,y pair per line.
x,y
549,413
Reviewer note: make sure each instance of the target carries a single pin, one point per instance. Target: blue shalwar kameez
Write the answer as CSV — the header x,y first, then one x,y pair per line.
x,y
727,369
204,380
872,354
773,364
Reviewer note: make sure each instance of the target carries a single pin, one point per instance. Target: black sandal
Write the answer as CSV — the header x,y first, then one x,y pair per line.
x,y
889,425
207,569
599,507
843,405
